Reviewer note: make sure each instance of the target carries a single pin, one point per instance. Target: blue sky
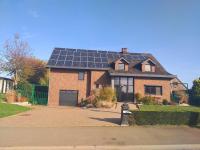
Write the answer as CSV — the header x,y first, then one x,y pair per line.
x,y
169,29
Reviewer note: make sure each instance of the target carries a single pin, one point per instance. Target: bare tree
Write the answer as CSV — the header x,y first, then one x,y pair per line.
x,y
13,57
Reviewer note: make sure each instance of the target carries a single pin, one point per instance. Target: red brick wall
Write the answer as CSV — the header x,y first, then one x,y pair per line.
x,y
61,79
165,83
99,77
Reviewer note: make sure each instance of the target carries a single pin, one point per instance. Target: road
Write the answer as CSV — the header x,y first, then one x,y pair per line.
x,y
63,137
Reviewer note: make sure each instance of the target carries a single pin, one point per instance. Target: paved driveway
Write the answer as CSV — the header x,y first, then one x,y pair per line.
x,y
43,116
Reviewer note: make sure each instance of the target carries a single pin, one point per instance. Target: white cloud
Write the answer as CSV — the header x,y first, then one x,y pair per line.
x,y
34,13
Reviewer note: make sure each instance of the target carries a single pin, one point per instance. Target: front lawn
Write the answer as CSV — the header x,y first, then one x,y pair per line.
x,y
11,109
170,108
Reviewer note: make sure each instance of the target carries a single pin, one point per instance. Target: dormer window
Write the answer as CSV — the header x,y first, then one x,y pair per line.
x,y
121,66
148,66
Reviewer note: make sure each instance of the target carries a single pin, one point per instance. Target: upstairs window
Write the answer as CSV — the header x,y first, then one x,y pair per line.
x,y
148,68
121,66
81,75
153,90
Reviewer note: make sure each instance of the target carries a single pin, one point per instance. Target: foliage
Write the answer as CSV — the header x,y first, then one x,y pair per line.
x,y
35,71
195,93
13,57
10,109
24,89
174,108
160,114
138,97
166,118
148,100
165,102
105,97
16,60
2,97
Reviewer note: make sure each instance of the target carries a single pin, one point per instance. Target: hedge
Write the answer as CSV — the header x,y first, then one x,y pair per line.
x,y
164,118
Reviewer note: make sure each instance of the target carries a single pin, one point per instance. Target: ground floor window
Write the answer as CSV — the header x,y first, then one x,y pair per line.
x,y
153,90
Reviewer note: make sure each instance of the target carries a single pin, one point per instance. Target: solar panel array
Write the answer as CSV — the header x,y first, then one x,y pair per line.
x,y
80,58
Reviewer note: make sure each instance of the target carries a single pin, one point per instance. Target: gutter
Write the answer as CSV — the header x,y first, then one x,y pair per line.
x,y
143,75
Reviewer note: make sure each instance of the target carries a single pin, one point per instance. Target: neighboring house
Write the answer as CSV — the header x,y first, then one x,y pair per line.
x,y
179,90
6,84
74,73
177,85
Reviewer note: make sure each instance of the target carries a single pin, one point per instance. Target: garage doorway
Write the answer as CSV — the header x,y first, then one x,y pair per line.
x,y
68,97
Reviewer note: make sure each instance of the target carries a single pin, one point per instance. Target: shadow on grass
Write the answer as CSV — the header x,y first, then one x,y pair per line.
x,y
111,120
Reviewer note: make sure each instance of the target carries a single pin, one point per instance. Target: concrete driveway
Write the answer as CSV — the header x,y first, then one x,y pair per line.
x,y
44,116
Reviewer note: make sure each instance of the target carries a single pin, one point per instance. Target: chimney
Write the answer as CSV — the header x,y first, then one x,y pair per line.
x,y
124,50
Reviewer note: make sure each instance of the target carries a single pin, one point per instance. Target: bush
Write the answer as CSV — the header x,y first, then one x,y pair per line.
x,y
2,97
164,118
148,100
165,102
138,97
105,97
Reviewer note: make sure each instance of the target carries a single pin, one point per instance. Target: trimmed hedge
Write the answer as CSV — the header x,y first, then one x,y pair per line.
x,y
164,118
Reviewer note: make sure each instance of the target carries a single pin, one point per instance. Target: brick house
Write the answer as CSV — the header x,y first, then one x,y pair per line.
x,y
74,73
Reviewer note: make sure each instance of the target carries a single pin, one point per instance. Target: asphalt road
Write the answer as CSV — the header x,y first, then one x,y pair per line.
x,y
13,137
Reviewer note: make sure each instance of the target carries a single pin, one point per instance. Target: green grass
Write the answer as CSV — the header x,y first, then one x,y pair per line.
x,y
11,109
164,108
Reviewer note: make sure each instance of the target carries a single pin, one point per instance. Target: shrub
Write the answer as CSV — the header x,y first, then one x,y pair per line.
x,y
138,97
105,97
2,97
148,100
165,102
165,118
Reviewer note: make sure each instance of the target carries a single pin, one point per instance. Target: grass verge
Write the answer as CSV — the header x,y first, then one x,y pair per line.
x,y
11,109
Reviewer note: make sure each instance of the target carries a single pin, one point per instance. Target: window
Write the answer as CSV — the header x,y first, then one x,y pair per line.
x,y
153,90
148,68
81,76
121,66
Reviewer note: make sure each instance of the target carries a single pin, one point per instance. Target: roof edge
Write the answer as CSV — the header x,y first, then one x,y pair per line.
x,y
143,75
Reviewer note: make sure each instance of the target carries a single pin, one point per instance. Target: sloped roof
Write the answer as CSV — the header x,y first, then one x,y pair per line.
x,y
100,60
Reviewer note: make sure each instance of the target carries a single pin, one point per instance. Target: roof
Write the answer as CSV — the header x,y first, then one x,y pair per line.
x,y
101,60
5,78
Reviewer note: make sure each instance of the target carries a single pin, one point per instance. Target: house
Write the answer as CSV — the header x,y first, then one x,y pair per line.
x,y
179,90
6,84
74,73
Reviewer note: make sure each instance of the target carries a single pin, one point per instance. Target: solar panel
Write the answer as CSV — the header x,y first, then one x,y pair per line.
x,y
77,59
82,58
61,57
98,59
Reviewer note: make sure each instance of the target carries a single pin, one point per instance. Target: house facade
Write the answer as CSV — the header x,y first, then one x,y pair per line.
x,y
74,73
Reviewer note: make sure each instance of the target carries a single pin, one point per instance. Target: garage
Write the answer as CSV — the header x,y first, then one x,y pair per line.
x,y
68,97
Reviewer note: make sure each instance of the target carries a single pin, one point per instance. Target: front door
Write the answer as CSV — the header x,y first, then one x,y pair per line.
x,y
124,88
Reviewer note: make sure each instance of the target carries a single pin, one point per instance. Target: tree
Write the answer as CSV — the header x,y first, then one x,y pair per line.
x,y
13,57
35,71
195,93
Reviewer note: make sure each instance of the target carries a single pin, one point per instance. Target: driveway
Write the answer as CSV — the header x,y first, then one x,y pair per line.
x,y
44,116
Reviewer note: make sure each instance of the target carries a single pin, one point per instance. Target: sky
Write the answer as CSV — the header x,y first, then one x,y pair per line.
x,y
168,29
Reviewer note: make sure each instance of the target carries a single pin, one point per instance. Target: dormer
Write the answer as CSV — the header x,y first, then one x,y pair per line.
x,y
148,66
121,64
